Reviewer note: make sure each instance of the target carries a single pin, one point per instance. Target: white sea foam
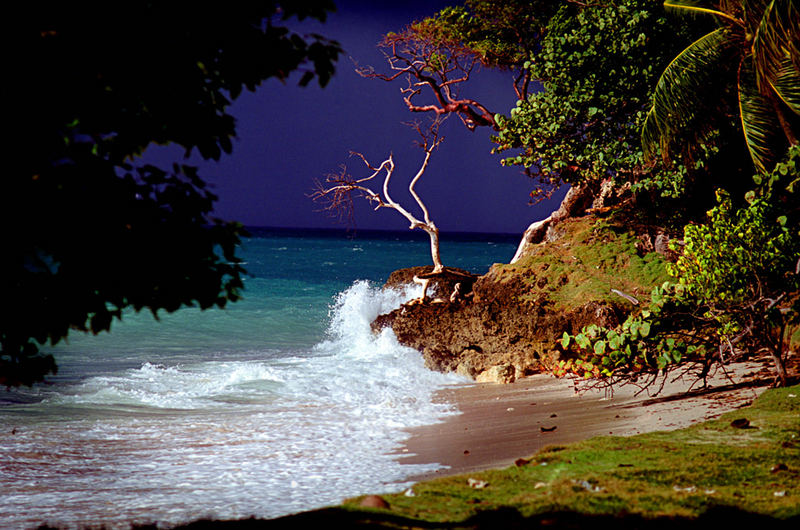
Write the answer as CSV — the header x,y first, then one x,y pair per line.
x,y
261,437
171,387
374,373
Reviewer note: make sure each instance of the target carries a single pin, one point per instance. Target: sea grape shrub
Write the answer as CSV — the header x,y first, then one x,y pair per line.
x,y
598,64
736,290
647,343
744,264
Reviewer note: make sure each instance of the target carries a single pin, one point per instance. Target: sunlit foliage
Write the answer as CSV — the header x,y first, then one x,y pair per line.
x,y
598,64
736,290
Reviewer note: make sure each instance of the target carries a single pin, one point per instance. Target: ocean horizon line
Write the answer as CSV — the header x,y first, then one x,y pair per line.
x,y
353,233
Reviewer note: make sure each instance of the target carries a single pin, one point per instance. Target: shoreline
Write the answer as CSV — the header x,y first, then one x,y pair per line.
x,y
498,424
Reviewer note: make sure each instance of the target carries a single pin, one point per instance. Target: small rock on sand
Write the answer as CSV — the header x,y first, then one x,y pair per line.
x,y
374,501
503,374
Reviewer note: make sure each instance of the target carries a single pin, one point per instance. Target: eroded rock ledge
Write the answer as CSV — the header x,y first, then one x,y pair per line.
x,y
492,326
573,269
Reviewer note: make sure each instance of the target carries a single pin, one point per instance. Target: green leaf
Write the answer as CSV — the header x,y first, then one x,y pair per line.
x,y
634,329
678,96
599,347
762,130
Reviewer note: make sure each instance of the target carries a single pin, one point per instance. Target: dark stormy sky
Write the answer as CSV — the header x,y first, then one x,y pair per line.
x,y
289,136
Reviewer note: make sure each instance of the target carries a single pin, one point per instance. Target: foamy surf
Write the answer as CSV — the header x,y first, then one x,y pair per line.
x,y
263,436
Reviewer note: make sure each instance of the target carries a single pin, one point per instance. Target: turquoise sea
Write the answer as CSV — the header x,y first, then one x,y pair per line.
x,y
283,402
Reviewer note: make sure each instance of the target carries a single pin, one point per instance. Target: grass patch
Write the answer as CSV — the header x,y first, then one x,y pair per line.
x,y
591,257
688,473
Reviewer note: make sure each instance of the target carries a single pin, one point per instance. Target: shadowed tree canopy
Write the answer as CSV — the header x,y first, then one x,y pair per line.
x,y
750,62
89,230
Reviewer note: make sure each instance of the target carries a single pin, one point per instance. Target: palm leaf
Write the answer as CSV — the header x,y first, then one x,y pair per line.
x,y
760,124
776,45
753,13
685,92
724,9
791,23
787,86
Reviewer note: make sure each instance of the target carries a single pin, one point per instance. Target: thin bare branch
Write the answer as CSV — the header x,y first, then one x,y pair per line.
x,y
441,68
339,189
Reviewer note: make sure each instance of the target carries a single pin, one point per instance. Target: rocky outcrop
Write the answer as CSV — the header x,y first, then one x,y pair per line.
x,y
502,374
493,326
573,269
658,241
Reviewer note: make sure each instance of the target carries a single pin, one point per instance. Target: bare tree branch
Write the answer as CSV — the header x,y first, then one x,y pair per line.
x,y
339,189
440,67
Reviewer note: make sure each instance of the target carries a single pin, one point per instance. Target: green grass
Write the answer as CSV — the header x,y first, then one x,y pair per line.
x,y
687,473
592,257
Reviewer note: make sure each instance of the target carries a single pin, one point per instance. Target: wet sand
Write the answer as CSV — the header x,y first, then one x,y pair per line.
x,y
501,423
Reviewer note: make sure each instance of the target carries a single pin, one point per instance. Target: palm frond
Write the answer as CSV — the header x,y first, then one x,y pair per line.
x,y
753,13
787,86
791,23
760,123
683,92
776,41
724,10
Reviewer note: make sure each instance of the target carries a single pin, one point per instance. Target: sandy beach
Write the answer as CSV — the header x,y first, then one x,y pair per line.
x,y
498,424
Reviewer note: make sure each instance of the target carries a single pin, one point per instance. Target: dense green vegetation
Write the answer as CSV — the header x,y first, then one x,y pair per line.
x,y
89,230
597,66
683,111
734,291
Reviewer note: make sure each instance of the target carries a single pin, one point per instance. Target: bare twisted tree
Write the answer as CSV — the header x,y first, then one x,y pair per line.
x,y
438,65
339,189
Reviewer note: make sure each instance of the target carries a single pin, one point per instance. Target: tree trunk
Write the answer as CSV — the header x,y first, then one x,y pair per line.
x,y
433,233
779,366
777,358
